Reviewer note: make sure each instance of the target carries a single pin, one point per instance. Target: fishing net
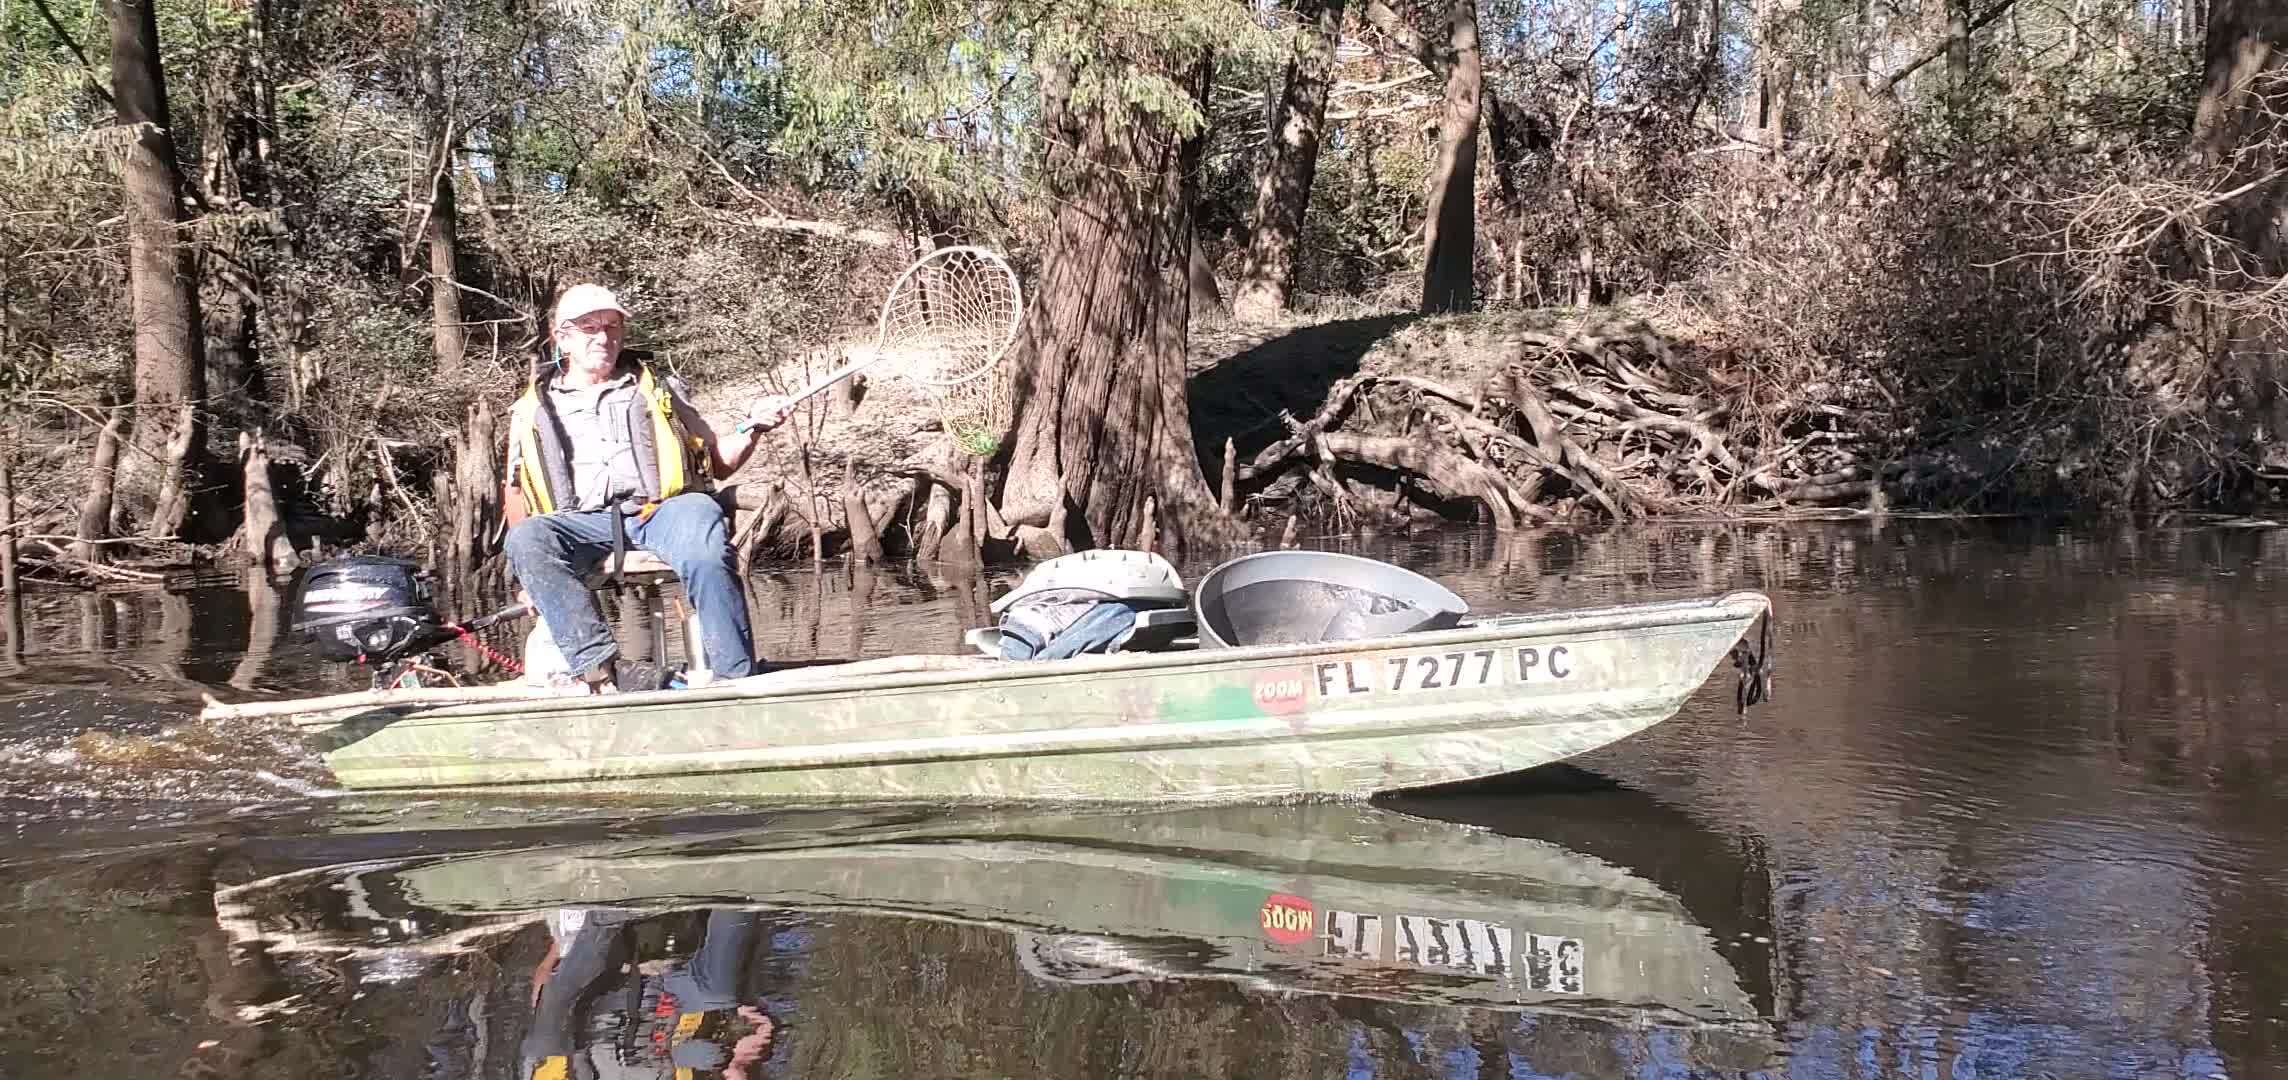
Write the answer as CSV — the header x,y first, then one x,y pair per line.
x,y
975,411
947,327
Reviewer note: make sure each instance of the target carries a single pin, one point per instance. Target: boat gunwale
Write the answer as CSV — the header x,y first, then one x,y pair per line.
x,y
822,680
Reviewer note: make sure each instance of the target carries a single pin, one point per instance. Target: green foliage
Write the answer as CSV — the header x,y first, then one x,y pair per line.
x,y
975,439
940,101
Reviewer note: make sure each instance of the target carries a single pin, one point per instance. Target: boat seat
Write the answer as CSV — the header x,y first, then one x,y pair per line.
x,y
644,578
640,567
1157,630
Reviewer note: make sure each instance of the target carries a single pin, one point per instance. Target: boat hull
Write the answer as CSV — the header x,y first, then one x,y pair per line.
x,y
1346,719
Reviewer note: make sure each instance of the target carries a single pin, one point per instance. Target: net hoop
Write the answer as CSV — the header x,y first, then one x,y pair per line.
x,y
961,301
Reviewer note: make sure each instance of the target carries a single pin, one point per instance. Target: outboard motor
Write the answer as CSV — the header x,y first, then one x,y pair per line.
x,y
369,608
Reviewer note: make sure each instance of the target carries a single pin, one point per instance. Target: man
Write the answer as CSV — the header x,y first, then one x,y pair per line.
x,y
605,451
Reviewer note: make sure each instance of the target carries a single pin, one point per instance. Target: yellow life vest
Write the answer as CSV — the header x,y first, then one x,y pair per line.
x,y
669,459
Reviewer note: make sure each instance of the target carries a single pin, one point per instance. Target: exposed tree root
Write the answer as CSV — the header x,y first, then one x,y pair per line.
x,y
1508,425
1614,422
1446,472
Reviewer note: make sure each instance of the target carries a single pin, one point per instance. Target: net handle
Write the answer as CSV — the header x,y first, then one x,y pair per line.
x,y
830,378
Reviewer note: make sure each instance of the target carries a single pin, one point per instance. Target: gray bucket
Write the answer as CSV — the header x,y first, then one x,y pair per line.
x,y
1307,597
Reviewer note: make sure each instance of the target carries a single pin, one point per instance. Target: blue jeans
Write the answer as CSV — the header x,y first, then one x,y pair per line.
x,y
710,983
552,552
1096,627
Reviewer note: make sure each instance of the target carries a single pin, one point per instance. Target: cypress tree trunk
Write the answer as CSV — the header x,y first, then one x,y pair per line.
x,y
170,362
1449,228
2242,115
1200,277
1957,46
1450,231
266,545
1283,187
1512,134
2241,125
865,539
476,491
11,597
1099,416
102,477
8,522
12,626
441,228
1764,115
450,338
230,263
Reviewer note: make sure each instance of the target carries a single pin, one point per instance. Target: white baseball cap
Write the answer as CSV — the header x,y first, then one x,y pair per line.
x,y
585,300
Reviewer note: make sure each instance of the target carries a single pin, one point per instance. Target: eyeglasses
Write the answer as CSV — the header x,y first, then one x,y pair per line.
x,y
592,325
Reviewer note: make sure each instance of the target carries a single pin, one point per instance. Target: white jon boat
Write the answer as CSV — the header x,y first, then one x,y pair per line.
x,y
1360,678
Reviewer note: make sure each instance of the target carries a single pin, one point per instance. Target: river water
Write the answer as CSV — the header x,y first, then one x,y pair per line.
x,y
2015,810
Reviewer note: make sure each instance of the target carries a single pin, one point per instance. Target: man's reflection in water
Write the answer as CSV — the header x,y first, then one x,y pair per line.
x,y
603,1009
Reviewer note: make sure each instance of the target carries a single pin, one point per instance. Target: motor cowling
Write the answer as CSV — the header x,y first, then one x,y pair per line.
x,y
369,607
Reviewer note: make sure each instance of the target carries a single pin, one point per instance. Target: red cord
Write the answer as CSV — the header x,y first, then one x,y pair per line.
x,y
512,666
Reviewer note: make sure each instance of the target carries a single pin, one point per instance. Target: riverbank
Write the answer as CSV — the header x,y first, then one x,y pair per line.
x,y
1346,420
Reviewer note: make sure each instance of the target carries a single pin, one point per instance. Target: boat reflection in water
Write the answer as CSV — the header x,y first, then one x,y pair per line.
x,y
723,945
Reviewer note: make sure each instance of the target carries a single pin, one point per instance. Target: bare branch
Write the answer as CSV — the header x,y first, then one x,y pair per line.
x,y
833,229
1349,89
93,83
1378,14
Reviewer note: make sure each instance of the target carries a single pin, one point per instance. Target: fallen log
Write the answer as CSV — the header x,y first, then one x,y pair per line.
x,y
1836,492
67,563
1447,473
1619,419
1530,487
1339,399
1436,389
